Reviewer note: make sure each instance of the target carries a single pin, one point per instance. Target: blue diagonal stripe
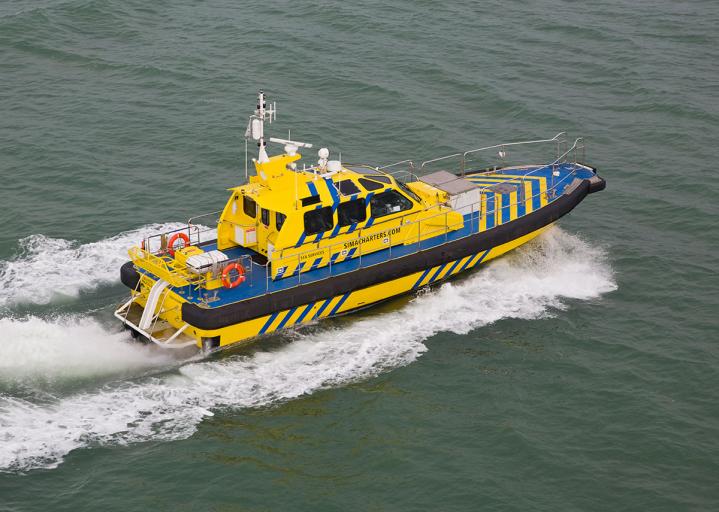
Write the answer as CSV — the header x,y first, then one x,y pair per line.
x,y
431,279
335,231
311,266
322,308
424,274
287,317
304,313
333,192
481,258
454,265
367,200
301,240
268,322
468,262
313,189
339,304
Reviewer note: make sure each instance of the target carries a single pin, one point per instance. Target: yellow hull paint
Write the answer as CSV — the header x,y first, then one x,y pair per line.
x,y
307,313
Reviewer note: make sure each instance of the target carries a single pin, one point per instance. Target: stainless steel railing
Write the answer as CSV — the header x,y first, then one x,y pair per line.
x,y
502,152
476,215
476,209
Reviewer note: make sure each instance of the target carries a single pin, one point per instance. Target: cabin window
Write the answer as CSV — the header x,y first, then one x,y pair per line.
x,y
370,185
318,220
309,201
408,191
389,202
347,187
381,179
351,212
280,220
249,206
265,216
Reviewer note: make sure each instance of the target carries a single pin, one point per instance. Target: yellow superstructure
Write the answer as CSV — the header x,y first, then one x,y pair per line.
x,y
362,208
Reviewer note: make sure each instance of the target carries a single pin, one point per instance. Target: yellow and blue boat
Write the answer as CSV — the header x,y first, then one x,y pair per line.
x,y
294,245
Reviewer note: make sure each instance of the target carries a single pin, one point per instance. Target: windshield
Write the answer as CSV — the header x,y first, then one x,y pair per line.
x,y
408,191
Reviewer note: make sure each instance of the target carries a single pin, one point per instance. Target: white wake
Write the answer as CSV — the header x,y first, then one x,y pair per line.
x,y
47,268
528,284
51,350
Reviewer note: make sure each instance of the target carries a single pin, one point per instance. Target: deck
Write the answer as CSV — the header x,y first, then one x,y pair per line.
x,y
510,194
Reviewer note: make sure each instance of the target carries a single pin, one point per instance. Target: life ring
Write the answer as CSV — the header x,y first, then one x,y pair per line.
x,y
173,239
226,275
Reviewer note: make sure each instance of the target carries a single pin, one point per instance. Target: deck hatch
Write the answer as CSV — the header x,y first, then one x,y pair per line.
x,y
448,182
504,188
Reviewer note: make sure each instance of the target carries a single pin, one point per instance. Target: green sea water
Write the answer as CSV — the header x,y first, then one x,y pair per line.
x,y
578,373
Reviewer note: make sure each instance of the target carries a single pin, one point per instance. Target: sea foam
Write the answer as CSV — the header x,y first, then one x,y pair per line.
x,y
532,282
47,268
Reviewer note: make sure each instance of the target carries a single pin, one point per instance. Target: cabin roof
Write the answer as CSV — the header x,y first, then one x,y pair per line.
x,y
286,191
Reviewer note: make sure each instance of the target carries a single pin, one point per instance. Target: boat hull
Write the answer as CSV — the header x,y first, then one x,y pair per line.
x,y
242,321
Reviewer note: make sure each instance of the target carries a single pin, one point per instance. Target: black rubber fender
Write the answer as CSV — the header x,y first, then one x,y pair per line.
x,y
223,316
597,184
129,275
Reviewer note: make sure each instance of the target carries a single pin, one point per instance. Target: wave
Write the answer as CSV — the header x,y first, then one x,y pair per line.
x,y
47,351
50,268
532,282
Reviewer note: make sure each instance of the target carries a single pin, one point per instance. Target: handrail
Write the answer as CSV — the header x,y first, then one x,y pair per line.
x,y
180,277
473,230
576,145
240,225
381,170
553,139
556,138
481,190
476,210
192,220
410,162
158,267
412,176
438,159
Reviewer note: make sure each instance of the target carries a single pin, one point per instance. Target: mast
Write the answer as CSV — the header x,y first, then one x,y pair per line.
x,y
260,112
256,126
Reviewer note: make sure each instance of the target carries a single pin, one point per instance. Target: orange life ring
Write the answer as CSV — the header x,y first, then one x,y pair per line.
x,y
173,239
226,275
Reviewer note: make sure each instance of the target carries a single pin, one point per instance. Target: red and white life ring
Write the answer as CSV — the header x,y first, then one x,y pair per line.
x,y
173,239
238,280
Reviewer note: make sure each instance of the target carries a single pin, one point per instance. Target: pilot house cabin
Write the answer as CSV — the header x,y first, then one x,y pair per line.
x,y
301,220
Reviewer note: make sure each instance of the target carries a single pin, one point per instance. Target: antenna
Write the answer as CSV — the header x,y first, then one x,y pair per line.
x,y
256,131
293,142
256,124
